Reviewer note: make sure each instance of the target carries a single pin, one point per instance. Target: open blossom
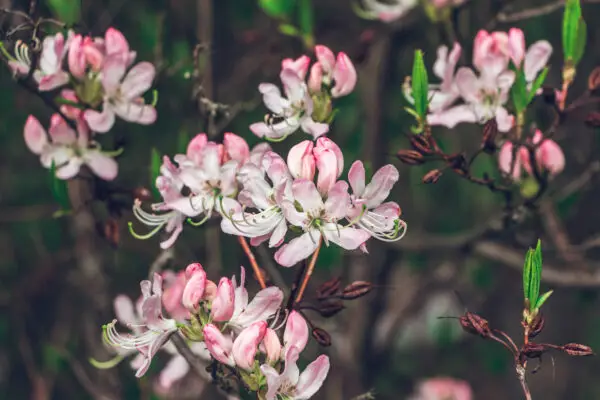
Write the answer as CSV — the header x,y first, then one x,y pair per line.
x,y
51,74
289,113
156,329
446,93
238,352
548,155
331,71
66,149
532,60
443,389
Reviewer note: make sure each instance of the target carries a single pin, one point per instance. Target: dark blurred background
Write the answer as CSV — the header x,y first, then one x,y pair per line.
x,y
58,276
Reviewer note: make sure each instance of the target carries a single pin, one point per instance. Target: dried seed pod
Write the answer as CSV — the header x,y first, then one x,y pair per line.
x,y
476,325
356,289
576,349
321,336
593,119
330,308
490,132
329,288
410,157
537,326
594,80
421,144
534,350
432,176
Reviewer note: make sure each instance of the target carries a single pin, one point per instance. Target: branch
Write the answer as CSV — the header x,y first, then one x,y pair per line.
x,y
253,263
536,11
189,356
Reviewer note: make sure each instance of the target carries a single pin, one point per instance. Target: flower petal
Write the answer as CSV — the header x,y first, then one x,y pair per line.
x,y
312,378
138,80
297,249
35,135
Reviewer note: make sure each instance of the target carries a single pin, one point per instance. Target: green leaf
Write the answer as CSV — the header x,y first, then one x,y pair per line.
x,y
519,92
277,8
155,163
420,86
289,30
59,189
67,11
527,273
543,299
581,41
571,19
532,274
537,84
306,20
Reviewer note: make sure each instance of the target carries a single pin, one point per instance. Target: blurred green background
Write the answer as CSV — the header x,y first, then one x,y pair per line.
x,y
58,276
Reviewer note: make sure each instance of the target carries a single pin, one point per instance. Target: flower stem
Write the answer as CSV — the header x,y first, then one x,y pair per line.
x,y
255,267
309,271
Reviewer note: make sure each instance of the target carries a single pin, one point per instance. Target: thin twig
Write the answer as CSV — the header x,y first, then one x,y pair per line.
x,y
308,274
159,263
187,353
253,263
535,12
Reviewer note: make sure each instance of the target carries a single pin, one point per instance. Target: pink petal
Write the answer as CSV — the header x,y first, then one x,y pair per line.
x,y
325,57
356,177
344,76
338,201
468,84
53,81
516,46
124,310
313,128
194,149
115,42
380,186
307,195
536,59
223,304
312,377
236,147
102,165
297,249
263,305
296,332
219,346
135,111
274,381
551,157
245,345
113,71
315,79
176,369
453,116
138,80
347,238
300,160
100,121
35,135
60,132
194,289
272,345
300,65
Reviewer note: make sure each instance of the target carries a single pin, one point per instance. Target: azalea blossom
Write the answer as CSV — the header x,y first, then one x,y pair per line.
x,y
337,74
548,155
157,329
446,93
51,74
289,113
66,149
240,351
532,61
443,389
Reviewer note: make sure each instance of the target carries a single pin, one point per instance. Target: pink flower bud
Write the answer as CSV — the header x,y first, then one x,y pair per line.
x,y
246,344
444,388
194,149
93,56
71,112
236,147
325,57
76,58
173,292
344,76
516,46
301,161
505,163
325,143
219,346
490,47
191,269
194,289
549,156
272,346
328,164
35,135
296,332
315,78
115,43
299,65
210,291
223,304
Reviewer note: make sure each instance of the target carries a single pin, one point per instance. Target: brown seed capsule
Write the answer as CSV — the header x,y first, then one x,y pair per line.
x,y
329,288
476,325
420,144
490,132
321,336
593,119
142,193
330,308
576,349
534,350
410,157
594,80
356,289
537,326
432,176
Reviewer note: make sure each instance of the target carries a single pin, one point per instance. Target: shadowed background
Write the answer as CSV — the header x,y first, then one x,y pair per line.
x,y
58,276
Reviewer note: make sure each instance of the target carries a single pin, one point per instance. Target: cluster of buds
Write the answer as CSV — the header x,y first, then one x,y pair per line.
x,y
307,105
98,82
220,322
261,196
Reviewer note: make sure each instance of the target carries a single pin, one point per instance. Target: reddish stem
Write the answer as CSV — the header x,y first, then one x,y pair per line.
x,y
253,263
309,271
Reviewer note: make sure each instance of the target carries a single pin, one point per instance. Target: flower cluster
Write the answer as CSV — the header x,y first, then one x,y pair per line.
x,y
307,104
98,83
219,318
443,389
481,94
261,196
388,11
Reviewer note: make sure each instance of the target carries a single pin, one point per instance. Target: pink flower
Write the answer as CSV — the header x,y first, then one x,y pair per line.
x,y
292,384
295,334
301,161
318,220
331,70
223,305
446,93
122,95
532,61
51,75
174,284
84,52
330,162
194,289
299,65
443,389
246,344
271,346
66,149
218,345
491,50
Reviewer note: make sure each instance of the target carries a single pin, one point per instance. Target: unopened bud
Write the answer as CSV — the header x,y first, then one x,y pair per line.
x,y
420,144
476,325
593,119
537,326
490,132
410,157
356,289
576,349
594,80
321,336
432,176
142,193
330,308
329,288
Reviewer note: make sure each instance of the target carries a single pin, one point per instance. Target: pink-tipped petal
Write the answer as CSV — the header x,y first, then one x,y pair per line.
x,y
223,304
219,346
245,345
516,46
297,249
312,378
35,135
315,79
325,57
296,332
300,160
344,75
103,166
194,290
236,147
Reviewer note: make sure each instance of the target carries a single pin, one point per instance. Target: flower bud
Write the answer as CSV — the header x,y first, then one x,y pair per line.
x,y
356,289
272,346
344,76
326,58
301,161
210,291
420,144
549,156
476,325
537,326
76,58
432,176
245,345
410,157
296,332
516,46
329,288
219,346
223,304
594,80
299,65
330,163
194,289
330,308
191,269
321,336
315,79
576,349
